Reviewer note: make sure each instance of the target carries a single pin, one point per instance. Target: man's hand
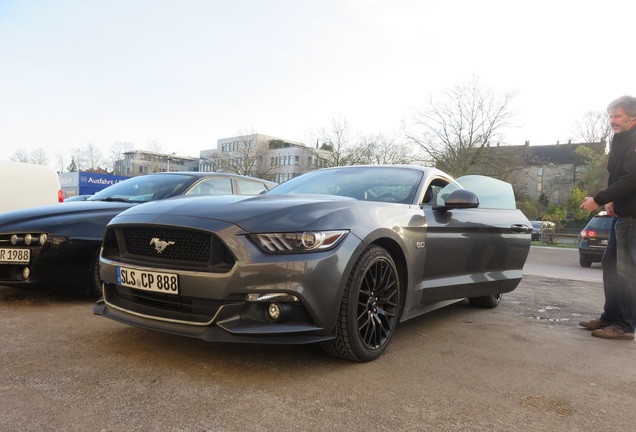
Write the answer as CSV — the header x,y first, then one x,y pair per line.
x,y
589,204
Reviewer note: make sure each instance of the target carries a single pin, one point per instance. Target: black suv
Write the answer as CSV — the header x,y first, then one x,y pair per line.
x,y
593,239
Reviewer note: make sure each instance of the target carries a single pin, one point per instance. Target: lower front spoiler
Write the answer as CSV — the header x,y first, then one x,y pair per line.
x,y
223,331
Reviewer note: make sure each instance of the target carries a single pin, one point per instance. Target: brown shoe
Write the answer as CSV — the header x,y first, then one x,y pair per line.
x,y
595,324
613,332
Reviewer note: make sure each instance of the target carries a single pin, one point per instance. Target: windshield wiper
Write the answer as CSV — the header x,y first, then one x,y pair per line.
x,y
113,199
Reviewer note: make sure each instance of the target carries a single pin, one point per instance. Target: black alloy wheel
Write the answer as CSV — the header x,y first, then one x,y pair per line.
x,y
369,310
94,283
487,302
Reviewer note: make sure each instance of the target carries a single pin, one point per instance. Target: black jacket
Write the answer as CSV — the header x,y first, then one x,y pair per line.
x,y
621,187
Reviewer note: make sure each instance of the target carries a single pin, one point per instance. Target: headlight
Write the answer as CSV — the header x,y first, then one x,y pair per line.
x,y
298,242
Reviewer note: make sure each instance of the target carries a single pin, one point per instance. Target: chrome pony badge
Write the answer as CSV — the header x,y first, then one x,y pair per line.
x,y
160,245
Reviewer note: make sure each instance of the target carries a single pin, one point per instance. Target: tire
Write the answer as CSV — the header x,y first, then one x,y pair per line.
x,y
369,310
94,283
486,302
584,261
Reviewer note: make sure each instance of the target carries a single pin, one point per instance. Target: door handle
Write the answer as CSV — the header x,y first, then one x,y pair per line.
x,y
521,228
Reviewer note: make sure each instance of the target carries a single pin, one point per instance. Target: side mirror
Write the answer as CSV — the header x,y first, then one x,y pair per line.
x,y
459,199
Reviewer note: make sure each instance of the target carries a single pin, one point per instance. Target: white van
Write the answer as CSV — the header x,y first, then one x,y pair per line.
x,y
27,185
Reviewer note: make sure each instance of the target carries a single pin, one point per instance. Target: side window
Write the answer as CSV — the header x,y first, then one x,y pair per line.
x,y
212,186
492,193
432,191
247,187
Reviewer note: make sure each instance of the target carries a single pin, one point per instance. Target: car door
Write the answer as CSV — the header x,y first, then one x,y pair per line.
x,y
474,251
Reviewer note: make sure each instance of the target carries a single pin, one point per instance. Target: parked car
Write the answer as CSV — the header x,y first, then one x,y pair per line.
x,y
24,185
536,229
337,256
77,198
593,239
57,246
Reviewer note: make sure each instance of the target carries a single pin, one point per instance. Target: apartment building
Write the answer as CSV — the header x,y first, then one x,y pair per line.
x,y
262,156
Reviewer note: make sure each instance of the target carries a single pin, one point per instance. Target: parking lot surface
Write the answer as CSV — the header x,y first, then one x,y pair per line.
x,y
525,366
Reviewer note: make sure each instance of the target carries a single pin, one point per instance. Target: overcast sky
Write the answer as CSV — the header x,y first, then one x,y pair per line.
x,y
186,73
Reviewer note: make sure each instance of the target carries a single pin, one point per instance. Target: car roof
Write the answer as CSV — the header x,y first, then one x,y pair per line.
x,y
213,174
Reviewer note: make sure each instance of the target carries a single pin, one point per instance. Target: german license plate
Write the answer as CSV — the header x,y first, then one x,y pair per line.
x,y
15,256
150,281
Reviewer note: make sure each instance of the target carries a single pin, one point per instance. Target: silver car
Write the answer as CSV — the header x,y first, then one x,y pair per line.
x,y
337,256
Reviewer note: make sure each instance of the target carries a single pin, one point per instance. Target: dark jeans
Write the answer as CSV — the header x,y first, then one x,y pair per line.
x,y
619,274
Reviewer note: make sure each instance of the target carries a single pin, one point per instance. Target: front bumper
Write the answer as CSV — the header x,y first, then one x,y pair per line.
x,y
227,326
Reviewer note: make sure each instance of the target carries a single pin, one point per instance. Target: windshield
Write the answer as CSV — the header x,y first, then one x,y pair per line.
x,y
385,184
143,188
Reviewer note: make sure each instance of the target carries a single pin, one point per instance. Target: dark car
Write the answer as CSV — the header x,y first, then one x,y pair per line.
x,y
593,239
337,256
77,198
58,246
536,229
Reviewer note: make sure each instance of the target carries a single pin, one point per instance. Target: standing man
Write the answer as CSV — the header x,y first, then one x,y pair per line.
x,y
618,319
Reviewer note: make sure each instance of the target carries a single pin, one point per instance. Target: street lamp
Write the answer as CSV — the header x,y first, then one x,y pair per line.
x,y
168,168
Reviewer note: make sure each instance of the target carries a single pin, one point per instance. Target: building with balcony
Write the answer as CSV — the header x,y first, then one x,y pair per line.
x,y
262,156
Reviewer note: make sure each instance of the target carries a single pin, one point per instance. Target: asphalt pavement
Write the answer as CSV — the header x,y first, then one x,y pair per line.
x,y
560,263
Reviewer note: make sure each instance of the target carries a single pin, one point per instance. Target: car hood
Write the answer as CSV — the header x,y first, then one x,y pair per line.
x,y
256,213
43,217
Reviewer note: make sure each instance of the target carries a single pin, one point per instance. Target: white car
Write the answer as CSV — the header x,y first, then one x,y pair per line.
x,y
25,185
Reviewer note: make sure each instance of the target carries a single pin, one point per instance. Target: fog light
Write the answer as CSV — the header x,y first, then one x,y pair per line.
x,y
42,239
26,273
14,239
273,311
27,239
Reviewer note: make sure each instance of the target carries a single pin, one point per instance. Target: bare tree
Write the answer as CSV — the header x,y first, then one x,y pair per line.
x,y
78,160
20,155
153,145
594,127
381,149
39,156
88,158
454,130
60,158
245,159
94,158
117,151
336,149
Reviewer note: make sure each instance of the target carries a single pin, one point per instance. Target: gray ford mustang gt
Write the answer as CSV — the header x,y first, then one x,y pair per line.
x,y
337,256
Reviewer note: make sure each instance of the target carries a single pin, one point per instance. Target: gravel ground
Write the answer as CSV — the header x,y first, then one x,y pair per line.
x,y
525,366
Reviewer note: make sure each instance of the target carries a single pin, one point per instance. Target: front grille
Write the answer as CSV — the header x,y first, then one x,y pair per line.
x,y
169,244
167,247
